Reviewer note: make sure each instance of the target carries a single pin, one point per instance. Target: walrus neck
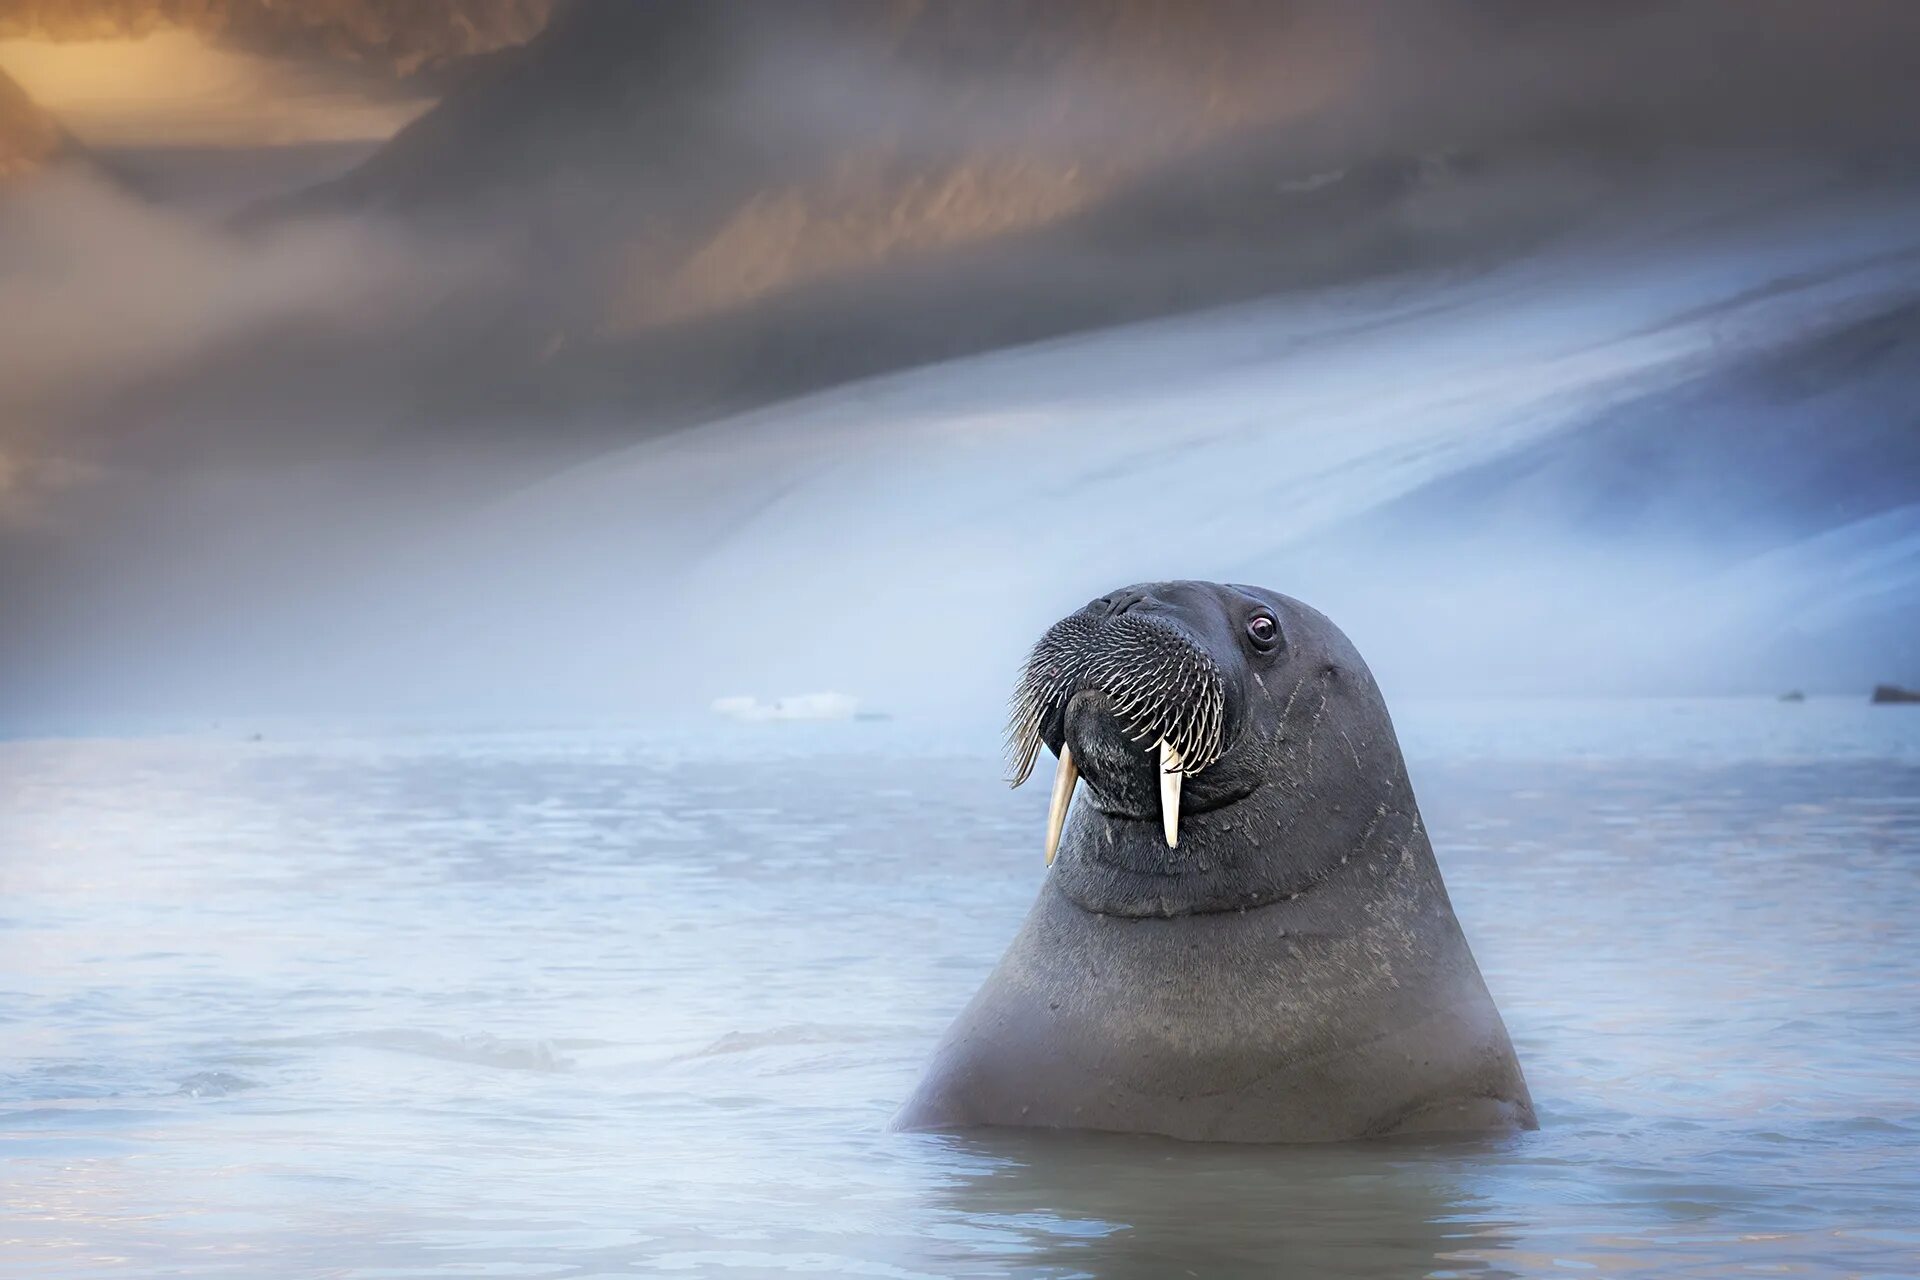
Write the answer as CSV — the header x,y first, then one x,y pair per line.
x,y
1121,866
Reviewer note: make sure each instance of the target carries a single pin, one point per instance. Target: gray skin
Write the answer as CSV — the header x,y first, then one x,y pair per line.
x,y
1292,972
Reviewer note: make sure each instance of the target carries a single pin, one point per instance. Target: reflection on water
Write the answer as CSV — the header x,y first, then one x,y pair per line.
x,y
1143,1207
578,1004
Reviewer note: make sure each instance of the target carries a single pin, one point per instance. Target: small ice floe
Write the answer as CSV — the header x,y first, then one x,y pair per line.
x,y
802,706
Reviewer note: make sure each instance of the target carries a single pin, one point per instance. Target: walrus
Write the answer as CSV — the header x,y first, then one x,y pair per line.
x,y
1244,936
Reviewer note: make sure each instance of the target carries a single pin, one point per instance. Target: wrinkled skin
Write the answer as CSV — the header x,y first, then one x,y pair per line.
x,y
1291,972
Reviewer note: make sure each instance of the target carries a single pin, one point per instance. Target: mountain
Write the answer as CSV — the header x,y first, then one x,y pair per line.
x,y
711,204
654,213
661,172
29,137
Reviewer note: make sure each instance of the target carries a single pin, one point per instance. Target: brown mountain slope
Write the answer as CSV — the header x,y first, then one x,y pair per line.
x,y
675,160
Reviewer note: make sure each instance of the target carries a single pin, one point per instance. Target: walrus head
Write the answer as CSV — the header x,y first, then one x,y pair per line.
x,y
1206,721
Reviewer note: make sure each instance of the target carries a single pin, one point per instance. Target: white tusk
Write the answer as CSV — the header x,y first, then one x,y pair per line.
x,y
1063,781
1170,776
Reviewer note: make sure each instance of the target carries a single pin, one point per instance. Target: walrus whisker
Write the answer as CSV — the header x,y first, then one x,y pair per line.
x,y
1160,689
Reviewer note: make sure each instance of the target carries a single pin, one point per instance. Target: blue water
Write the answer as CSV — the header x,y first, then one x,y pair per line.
x,y
587,1002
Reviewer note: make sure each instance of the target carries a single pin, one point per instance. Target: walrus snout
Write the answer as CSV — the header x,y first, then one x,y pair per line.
x,y
1140,688
1126,780
1123,775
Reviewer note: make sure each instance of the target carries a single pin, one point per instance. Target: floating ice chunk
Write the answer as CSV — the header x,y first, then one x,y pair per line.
x,y
802,706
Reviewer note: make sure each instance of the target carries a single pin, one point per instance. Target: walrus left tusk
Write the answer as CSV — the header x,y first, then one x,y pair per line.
x,y
1170,776
1063,781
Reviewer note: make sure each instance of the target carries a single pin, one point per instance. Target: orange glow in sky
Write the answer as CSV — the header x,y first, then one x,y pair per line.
x,y
173,88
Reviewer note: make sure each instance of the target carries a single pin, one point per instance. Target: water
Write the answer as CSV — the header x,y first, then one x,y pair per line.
x,y
584,1003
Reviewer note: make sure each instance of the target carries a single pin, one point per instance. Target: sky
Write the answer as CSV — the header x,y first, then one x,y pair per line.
x,y
176,88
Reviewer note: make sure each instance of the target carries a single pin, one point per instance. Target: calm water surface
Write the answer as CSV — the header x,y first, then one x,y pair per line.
x,y
585,1003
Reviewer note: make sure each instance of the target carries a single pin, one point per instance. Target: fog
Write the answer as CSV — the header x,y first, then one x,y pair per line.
x,y
103,288
710,351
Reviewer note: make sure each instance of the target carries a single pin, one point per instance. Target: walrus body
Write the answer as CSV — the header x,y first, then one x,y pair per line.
x,y
1291,969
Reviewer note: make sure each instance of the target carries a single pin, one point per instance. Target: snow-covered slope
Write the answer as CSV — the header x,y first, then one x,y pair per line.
x,y
904,539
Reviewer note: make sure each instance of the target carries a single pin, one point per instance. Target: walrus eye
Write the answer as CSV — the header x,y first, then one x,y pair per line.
x,y
1263,631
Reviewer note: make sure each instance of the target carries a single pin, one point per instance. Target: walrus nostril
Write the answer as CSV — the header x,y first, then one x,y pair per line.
x,y
1119,602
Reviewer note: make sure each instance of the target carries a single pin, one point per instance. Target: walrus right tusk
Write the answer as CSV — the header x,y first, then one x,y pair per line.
x,y
1063,781
1170,776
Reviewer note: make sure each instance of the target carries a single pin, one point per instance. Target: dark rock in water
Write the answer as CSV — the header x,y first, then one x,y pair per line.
x,y
1894,693
214,1084
1793,695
